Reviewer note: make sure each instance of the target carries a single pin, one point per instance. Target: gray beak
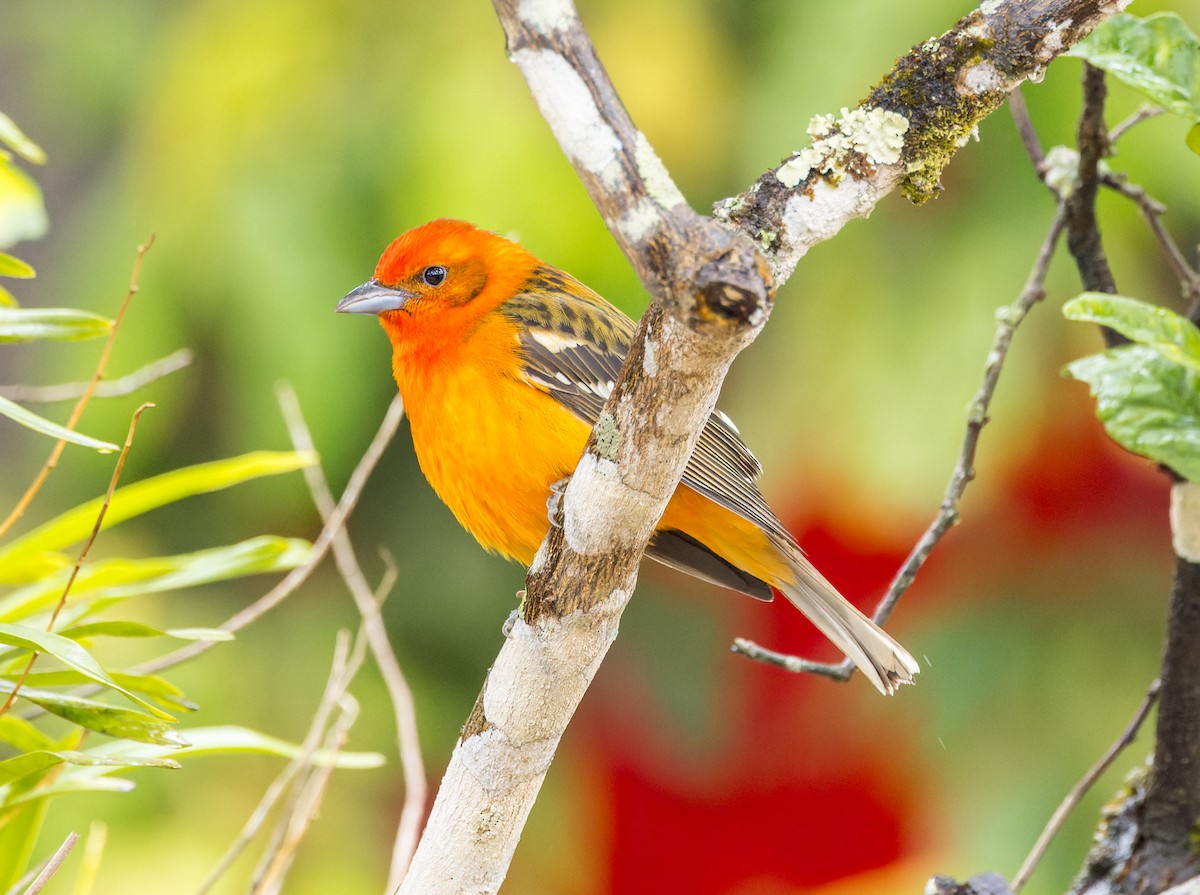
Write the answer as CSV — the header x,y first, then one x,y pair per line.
x,y
372,297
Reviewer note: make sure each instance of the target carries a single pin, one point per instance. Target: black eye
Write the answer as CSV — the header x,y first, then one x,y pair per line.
x,y
433,276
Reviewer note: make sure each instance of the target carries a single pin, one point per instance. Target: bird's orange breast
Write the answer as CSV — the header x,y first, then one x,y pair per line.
x,y
489,443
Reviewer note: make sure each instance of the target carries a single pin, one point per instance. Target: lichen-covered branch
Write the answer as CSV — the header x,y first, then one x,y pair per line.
x,y
941,90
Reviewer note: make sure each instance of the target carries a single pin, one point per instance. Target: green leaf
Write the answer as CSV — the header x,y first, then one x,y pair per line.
x,y
15,267
1147,403
109,581
23,146
60,787
110,629
70,654
159,689
93,776
26,558
58,324
101,717
22,212
22,735
231,739
137,629
1193,139
31,763
28,418
1171,335
1157,56
18,837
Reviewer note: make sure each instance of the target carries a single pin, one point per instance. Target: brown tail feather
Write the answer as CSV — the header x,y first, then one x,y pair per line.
x,y
885,662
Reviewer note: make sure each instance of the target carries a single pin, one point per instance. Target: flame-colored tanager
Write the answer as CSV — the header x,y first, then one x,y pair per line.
x,y
505,362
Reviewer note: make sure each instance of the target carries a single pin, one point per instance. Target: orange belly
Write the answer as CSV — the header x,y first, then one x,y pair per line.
x,y
493,458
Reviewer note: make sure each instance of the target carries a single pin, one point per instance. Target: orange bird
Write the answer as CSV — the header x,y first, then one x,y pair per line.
x,y
505,362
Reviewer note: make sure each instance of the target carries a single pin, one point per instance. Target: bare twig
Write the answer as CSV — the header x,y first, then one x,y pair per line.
x,y
307,804
1007,320
87,546
416,789
311,780
51,866
1145,113
115,388
1153,210
77,412
300,574
1080,789
345,665
108,495
1029,137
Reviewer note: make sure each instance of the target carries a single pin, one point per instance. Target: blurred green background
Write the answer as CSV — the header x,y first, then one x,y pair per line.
x,y
276,146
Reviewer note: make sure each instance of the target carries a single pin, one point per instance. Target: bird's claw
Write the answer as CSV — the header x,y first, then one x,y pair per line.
x,y
554,501
513,617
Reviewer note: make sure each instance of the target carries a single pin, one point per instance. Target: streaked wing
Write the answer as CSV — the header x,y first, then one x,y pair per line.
x,y
574,343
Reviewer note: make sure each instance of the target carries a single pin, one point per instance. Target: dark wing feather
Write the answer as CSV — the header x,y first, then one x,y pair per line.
x,y
681,551
574,342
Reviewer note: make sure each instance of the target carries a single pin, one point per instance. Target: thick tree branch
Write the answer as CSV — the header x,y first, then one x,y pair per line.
x,y
1172,803
713,289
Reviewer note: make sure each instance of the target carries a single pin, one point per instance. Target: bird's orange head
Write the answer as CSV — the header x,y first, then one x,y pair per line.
x,y
436,281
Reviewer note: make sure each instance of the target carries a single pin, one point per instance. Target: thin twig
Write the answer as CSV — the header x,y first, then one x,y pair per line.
x,y
300,574
108,495
115,388
1080,789
307,805
346,664
77,412
1153,210
62,601
299,812
1029,137
52,865
1145,113
403,708
1007,320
